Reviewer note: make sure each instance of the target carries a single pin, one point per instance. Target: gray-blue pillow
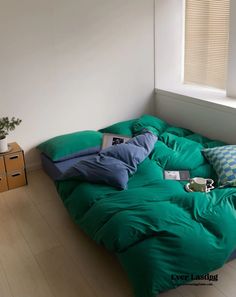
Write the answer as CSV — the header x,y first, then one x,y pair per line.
x,y
113,165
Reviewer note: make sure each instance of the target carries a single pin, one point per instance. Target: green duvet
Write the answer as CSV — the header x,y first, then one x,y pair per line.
x,y
158,231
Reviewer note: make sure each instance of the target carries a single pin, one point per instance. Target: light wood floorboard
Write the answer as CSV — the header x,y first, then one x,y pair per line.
x,y
43,253
4,285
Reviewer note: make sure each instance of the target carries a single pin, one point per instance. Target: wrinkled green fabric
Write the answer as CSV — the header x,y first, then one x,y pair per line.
x,y
155,227
122,128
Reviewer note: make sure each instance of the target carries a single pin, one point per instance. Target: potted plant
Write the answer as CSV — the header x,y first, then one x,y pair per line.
x,y
6,125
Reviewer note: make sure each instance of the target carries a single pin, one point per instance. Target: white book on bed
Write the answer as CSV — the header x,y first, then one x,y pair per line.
x,y
177,174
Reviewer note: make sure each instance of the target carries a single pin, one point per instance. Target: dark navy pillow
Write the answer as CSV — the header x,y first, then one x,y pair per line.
x,y
114,164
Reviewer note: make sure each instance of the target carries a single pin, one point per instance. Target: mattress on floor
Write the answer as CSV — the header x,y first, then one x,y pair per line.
x,y
155,228
56,169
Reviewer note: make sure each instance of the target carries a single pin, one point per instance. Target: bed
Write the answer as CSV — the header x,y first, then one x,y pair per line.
x,y
156,229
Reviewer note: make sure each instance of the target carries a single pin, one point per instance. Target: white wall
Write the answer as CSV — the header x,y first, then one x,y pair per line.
x,y
209,119
169,43
69,65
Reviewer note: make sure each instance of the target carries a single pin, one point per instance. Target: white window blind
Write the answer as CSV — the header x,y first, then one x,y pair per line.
x,y
206,42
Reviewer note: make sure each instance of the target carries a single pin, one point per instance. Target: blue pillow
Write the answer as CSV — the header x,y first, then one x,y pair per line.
x,y
114,164
223,160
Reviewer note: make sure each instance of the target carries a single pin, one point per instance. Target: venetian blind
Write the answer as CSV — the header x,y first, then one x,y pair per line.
x,y
206,42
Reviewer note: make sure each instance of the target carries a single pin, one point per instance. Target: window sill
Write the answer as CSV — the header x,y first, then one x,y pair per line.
x,y
207,97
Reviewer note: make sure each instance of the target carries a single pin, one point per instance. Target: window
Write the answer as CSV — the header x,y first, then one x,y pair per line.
x,y
206,42
195,48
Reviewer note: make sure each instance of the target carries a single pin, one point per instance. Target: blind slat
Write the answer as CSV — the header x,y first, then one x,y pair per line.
x,y
206,42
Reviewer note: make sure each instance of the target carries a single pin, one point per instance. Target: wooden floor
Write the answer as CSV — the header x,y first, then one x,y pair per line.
x,y
43,254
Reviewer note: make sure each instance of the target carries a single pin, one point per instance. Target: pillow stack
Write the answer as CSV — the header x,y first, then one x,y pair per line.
x,y
68,146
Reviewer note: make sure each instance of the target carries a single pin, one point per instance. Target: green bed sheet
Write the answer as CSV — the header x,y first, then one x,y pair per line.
x,y
158,231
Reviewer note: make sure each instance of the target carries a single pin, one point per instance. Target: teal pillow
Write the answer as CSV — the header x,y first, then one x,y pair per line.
x,y
121,128
68,146
223,160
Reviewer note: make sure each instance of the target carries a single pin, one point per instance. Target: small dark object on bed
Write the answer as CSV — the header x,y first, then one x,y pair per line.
x,y
113,139
117,140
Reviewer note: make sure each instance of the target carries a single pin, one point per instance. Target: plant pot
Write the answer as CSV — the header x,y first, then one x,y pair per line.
x,y
3,145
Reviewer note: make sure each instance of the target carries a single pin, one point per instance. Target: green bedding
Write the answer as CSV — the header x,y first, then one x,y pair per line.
x,y
157,229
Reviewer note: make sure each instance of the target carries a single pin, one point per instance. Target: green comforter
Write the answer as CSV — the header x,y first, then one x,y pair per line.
x,y
157,230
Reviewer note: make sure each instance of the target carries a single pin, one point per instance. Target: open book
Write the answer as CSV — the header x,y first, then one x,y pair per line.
x,y
177,175
113,139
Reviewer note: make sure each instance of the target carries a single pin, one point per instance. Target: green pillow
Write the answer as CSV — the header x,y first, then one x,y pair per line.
x,y
121,128
68,146
223,160
148,121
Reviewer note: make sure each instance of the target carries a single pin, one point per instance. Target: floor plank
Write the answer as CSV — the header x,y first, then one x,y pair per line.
x,y
34,228
4,286
24,276
232,264
227,281
41,189
17,198
63,274
171,293
55,213
4,209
